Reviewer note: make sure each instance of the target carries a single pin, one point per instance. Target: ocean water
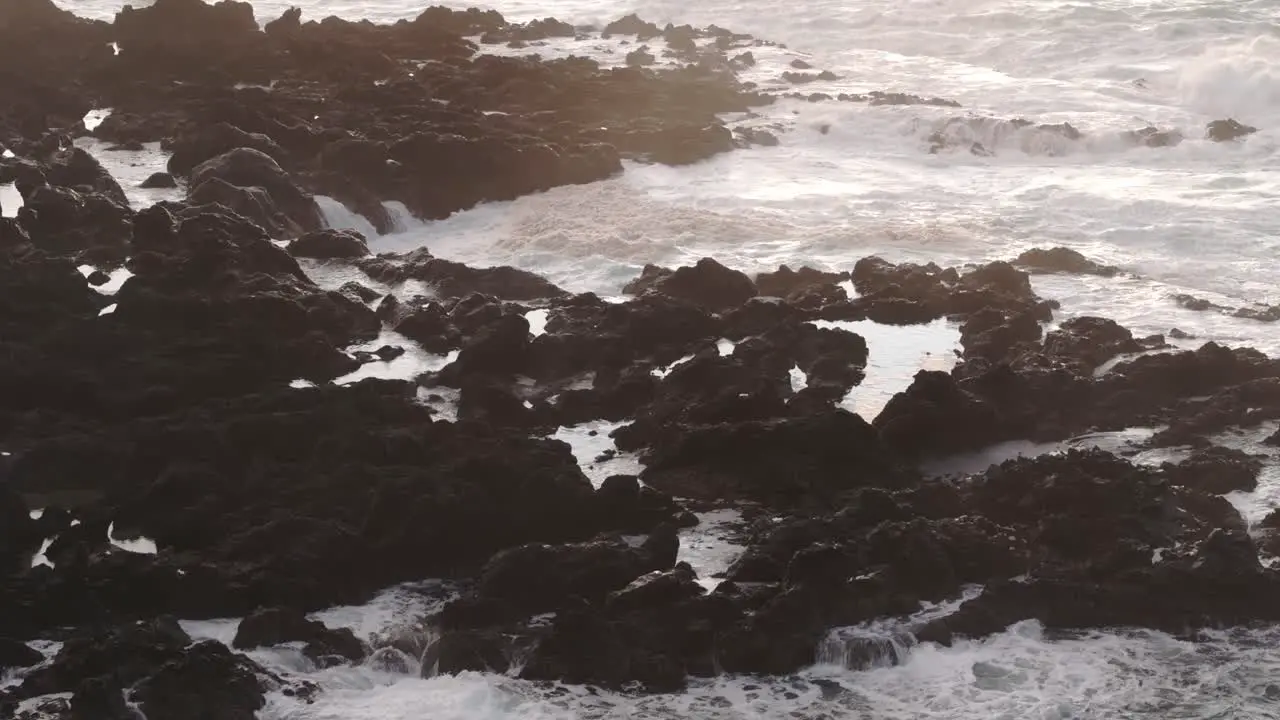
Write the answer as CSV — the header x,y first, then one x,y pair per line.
x,y
851,180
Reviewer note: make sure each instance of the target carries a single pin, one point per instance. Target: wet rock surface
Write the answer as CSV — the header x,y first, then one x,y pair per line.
x,y
277,626
1062,260
178,416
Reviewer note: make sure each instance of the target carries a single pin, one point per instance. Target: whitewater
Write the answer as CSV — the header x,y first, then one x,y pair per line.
x,y
850,180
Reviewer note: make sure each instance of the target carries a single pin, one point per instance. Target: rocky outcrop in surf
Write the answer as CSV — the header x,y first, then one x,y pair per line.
x,y
358,111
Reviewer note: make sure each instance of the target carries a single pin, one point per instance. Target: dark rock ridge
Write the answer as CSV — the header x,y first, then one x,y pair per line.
x,y
1062,260
1229,129
1260,312
330,245
984,136
276,626
363,112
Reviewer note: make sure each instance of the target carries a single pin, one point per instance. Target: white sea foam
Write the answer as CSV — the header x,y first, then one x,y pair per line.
x,y
537,321
413,362
1240,79
710,547
896,354
140,544
339,217
10,200
595,450
40,558
131,167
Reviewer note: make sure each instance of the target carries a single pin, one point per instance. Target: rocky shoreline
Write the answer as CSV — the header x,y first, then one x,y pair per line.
x,y
171,410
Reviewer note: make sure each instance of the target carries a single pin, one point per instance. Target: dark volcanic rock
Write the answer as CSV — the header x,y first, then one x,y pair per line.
x,y
276,626
787,283
1090,341
458,651
251,203
1229,129
500,350
359,292
1062,260
528,166
37,290
495,405
708,285
430,327
76,168
1112,539
997,336
249,168
20,537
205,143
537,578
857,564
159,180
100,698
909,294
454,280
14,654
65,221
330,244
260,495
587,646
632,25
1216,471
206,681
935,416
640,57
125,654
788,462
429,499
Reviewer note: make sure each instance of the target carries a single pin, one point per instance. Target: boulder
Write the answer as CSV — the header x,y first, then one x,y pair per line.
x,y
125,654
806,461
1216,471
640,57
785,282
276,626
1089,342
359,292
252,203
537,578
708,285
632,25
500,350
330,245
65,221
997,336
288,24
205,681
159,180
454,280
76,168
430,327
1062,260
586,646
936,416
1227,130
461,650
201,144
100,699
249,168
